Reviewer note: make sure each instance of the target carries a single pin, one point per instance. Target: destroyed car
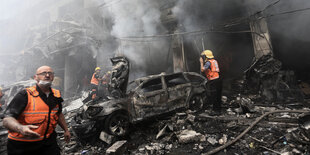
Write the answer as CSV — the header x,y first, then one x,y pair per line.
x,y
147,97
116,85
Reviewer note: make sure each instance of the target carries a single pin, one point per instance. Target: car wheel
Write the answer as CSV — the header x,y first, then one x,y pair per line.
x,y
196,102
117,124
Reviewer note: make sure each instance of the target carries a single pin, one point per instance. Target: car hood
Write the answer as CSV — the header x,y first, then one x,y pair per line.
x,y
108,107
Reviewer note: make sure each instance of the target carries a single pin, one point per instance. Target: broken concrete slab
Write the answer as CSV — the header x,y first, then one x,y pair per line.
x,y
212,140
106,137
224,99
187,136
118,148
191,118
155,148
167,127
223,140
180,121
75,104
161,132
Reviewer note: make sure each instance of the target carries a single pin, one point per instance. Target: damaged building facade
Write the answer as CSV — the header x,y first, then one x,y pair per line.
x,y
76,36
261,48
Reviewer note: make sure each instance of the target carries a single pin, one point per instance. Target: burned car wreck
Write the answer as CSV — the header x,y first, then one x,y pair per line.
x,y
114,82
146,98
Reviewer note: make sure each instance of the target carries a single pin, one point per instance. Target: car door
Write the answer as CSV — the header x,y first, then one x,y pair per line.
x,y
178,89
150,99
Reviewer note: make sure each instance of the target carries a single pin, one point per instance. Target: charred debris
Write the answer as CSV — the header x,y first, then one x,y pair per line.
x,y
270,118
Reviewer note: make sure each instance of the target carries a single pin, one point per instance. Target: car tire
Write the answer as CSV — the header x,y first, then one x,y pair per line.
x,y
196,103
117,124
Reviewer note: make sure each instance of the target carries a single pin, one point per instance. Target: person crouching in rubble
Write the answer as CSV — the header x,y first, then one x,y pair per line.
x,y
33,115
94,82
209,66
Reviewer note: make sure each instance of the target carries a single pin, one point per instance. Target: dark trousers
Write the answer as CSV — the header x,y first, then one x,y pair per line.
x,y
94,90
214,93
45,147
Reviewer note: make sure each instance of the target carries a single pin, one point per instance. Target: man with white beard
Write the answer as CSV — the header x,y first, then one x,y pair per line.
x,y
32,116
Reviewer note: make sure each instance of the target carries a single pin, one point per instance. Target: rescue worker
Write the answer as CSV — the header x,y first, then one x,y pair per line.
x,y
32,116
106,77
210,68
94,82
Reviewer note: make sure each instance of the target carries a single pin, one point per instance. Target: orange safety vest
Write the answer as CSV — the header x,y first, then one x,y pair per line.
x,y
36,113
212,73
94,80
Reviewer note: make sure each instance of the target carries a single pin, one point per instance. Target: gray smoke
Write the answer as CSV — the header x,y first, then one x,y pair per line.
x,y
118,26
287,31
135,18
131,21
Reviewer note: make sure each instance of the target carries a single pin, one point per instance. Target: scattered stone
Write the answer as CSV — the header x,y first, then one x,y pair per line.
x,y
230,112
170,127
180,121
167,127
181,115
190,118
75,104
156,148
190,111
296,151
161,132
142,149
195,147
212,140
200,147
248,115
285,115
287,153
168,147
106,137
224,99
187,136
223,140
118,147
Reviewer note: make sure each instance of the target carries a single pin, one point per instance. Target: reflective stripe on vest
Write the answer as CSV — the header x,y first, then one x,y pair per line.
x,y
213,72
94,80
36,113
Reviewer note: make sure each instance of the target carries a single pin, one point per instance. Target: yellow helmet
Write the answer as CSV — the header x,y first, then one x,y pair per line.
x,y
97,68
208,54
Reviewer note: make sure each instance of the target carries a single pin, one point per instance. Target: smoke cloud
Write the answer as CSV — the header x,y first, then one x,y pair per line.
x,y
117,26
138,18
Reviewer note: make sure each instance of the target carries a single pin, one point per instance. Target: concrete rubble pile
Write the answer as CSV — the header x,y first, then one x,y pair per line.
x,y
196,132
266,77
250,123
